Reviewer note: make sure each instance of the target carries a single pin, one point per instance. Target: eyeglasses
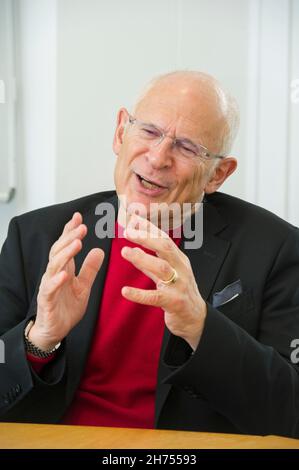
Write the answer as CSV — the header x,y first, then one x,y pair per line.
x,y
185,148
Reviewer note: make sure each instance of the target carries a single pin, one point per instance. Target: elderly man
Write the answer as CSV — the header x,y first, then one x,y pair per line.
x,y
138,330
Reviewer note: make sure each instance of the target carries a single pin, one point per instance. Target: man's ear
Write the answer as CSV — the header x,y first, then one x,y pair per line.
x,y
223,170
122,118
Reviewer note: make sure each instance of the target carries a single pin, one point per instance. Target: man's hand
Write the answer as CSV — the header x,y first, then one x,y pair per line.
x,y
63,297
185,310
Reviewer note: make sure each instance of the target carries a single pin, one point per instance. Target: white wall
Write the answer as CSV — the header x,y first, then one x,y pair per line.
x,y
78,61
108,50
37,82
292,213
7,115
273,114
35,44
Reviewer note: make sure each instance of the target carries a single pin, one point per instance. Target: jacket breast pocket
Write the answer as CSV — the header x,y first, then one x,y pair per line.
x,y
241,310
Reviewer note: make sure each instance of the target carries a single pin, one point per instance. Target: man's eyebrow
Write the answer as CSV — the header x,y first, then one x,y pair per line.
x,y
149,123
186,140
181,139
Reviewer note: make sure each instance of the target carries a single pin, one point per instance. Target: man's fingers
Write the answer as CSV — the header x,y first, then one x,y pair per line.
x,y
66,239
145,297
51,286
157,267
91,266
163,246
53,282
140,223
58,262
75,221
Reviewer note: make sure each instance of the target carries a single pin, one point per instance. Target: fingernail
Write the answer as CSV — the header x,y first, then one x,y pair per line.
x,y
126,251
125,290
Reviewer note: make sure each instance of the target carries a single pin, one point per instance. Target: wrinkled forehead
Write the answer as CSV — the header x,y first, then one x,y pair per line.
x,y
185,109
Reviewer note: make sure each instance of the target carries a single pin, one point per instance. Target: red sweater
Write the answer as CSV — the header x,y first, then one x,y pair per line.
x,y
120,377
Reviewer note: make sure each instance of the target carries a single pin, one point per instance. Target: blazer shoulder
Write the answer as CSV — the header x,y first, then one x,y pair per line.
x,y
61,211
250,217
47,223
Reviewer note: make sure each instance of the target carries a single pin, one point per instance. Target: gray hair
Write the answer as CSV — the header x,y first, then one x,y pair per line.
x,y
227,103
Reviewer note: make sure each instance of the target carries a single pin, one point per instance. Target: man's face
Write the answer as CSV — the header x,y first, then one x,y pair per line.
x,y
182,113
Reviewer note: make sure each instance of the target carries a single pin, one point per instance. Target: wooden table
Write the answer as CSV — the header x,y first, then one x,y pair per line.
x,y
45,436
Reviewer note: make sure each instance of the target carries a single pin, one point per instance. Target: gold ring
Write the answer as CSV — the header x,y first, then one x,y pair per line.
x,y
172,279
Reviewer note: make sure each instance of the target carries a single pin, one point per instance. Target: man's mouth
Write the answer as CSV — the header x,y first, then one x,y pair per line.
x,y
149,184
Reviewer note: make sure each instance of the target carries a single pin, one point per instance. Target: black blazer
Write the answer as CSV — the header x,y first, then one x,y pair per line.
x,y
239,380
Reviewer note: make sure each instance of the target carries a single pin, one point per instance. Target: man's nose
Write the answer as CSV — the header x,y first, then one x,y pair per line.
x,y
160,154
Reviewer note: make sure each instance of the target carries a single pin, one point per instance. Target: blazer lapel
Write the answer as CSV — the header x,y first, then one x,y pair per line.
x,y
206,263
79,340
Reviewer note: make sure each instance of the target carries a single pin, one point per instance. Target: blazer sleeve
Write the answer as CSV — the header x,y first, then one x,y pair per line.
x,y
252,381
24,395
